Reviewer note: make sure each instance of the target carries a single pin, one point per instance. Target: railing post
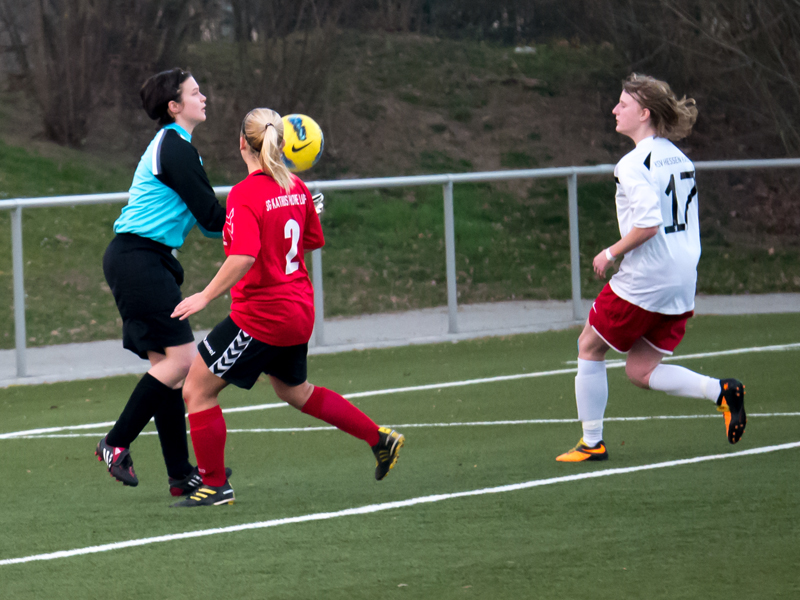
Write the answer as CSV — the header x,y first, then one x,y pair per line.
x,y
19,291
450,258
319,301
574,247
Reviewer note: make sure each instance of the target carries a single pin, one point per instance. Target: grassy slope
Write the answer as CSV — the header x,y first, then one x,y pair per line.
x,y
385,248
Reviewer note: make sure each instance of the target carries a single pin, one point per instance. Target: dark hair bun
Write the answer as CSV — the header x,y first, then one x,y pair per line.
x,y
159,90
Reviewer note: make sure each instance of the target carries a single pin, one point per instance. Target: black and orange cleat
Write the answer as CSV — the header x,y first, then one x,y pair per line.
x,y
119,462
386,450
582,452
731,404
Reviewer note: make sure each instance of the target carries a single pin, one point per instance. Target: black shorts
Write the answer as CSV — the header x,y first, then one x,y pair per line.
x,y
233,355
145,279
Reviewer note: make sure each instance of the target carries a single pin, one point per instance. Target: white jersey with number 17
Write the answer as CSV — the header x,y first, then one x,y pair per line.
x,y
656,187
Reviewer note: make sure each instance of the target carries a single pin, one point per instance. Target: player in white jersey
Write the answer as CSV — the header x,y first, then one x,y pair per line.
x,y
643,310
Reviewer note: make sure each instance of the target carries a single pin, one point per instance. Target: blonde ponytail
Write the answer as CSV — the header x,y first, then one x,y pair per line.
x,y
262,128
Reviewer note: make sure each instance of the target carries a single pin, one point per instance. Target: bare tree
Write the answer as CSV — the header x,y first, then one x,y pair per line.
x,y
285,49
149,36
758,44
743,56
397,15
59,45
68,51
12,30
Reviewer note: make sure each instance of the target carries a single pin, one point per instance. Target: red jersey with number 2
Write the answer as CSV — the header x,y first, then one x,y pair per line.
x,y
274,301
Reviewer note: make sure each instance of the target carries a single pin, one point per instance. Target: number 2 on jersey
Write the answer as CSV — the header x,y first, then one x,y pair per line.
x,y
672,191
291,230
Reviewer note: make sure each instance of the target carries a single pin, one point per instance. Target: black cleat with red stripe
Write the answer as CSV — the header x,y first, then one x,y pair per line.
x,y
119,462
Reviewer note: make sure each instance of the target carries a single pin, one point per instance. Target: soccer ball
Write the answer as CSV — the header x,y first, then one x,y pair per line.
x,y
303,142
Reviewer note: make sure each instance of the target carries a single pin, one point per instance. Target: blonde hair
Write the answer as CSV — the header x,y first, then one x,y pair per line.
x,y
672,118
262,129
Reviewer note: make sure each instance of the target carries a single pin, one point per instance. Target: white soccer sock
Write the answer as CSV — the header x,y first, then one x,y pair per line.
x,y
679,381
591,396
592,432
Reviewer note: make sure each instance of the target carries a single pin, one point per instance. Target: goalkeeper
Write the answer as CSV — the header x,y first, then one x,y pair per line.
x,y
169,195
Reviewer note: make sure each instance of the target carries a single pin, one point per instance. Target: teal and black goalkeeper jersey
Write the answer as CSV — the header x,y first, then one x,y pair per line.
x,y
170,192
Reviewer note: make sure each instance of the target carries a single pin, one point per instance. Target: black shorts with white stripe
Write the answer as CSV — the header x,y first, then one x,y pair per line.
x,y
233,355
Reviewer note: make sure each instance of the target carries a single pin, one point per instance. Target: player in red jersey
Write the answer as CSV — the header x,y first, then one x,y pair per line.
x,y
271,222
643,310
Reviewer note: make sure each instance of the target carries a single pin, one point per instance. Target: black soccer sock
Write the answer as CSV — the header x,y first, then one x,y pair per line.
x,y
171,425
147,396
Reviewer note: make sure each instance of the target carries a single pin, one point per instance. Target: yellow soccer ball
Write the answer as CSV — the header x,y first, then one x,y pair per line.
x,y
304,142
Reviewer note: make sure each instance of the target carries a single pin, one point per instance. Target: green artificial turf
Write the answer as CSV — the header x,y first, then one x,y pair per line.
x,y
716,529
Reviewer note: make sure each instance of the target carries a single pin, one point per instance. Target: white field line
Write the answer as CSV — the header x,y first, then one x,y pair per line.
x,y
374,508
609,364
36,432
435,386
713,415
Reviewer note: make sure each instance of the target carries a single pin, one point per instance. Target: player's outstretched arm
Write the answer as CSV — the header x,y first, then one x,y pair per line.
x,y
231,271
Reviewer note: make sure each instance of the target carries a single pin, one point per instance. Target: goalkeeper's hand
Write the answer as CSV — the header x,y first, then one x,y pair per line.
x,y
318,198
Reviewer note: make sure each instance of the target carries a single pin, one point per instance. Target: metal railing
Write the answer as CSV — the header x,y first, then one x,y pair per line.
x,y
447,181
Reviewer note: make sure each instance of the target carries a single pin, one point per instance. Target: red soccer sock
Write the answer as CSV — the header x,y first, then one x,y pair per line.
x,y
209,432
332,408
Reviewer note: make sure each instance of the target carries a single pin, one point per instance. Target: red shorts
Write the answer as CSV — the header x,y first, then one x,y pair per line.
x,y
621,323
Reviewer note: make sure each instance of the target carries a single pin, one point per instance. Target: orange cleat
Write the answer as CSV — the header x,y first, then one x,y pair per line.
x,y
582,452
731,404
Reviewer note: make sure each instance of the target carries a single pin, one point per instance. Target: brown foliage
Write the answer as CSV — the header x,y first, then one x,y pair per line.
x,y
741,57
284,50
61,47
73,55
